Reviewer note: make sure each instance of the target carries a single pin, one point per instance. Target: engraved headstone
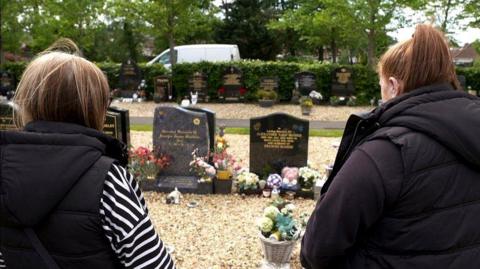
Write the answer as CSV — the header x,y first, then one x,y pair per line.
x,y
198,83
269,84
232,88
6,116
277,140
162,88
129,79
210,121
117,124
342,83
305,82
7,84
178,132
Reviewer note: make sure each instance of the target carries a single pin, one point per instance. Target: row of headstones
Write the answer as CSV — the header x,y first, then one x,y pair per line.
x,y
276,141
233,87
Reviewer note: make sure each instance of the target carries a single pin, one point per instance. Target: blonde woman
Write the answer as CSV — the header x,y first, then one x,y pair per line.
x,y
405,188
66,200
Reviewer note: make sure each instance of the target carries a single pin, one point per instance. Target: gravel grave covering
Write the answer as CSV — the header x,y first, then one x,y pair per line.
x,y
221,231
247,111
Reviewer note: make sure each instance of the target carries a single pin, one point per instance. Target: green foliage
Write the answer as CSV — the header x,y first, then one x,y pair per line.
x,y
266,95
365,79
245,24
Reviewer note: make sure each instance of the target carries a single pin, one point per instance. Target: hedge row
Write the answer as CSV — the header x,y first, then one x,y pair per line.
x,y
365,79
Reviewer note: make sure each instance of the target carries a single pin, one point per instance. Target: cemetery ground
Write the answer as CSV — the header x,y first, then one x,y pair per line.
x,y
221,231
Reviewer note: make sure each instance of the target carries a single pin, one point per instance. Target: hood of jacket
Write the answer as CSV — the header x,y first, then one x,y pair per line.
x,y
41,164
446,115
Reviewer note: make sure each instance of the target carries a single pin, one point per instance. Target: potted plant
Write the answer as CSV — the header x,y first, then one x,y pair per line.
x,y
145,165
306,104
266,98
225,164
279,232
204,171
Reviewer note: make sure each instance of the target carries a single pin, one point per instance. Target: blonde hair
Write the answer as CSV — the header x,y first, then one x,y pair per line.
x,y
422,60
64,87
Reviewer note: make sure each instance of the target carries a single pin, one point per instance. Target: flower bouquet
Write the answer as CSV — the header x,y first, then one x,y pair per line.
x,y
279,231
247,182
201,167
307,178
204,171
145,164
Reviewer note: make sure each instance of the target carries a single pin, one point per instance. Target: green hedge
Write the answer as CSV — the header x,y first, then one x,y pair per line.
x,y
365,79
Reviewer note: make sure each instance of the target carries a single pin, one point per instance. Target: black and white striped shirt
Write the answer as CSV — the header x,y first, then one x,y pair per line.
x,y
126,224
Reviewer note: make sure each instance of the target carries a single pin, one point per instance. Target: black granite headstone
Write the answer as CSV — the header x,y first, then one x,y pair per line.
x,y
129,79
7,84
269,84
342,83
210,121
277,140
162,88
112,124
232,88
177,133
198,83
6,116
305,82
117,124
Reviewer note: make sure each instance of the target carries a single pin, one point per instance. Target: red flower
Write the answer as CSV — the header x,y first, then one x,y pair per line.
x,y
221,91
243,91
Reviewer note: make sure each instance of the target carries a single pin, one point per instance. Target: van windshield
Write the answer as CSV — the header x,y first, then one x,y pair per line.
x,y
165,58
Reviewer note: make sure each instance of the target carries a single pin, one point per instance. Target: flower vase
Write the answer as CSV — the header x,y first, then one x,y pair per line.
x,y
223,174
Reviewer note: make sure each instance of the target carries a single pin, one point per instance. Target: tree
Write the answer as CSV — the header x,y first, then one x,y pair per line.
x,y
245,24
446,13
179,21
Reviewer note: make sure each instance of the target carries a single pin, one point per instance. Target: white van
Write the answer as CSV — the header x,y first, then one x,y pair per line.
x,y
198,53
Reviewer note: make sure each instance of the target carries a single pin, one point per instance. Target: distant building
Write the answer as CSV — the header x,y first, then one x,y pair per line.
x,y
464,56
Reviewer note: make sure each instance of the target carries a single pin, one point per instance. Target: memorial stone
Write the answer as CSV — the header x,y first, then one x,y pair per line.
x,y
7,84
210,121
117,124
162,89
129,79
277,140
305,82
198,83
177,133
269,84
342,84
232,88
6,116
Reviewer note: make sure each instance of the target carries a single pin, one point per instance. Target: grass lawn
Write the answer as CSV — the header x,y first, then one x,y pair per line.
x,y
246,131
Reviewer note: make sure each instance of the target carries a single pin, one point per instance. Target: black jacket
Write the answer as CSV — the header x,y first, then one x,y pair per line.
x,y
405,189
51,179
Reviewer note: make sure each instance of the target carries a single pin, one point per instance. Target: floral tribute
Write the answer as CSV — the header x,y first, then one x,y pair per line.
x,y
201,167
144,163
307,177
221,159
247,181
278,221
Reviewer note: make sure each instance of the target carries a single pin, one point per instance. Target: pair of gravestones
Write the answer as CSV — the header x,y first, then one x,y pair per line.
x,y
276,140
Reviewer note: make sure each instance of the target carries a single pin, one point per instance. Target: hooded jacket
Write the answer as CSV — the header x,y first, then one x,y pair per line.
x,y
405,189
51,178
